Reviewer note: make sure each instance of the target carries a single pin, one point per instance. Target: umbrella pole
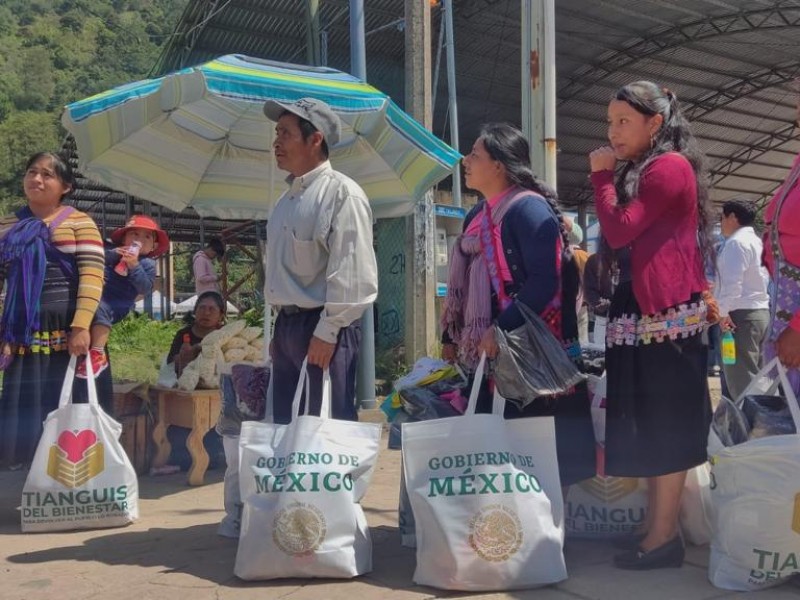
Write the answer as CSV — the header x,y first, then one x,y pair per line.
x,y
365,378
451,95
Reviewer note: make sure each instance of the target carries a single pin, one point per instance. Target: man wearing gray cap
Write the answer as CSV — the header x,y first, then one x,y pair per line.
x,y
321,272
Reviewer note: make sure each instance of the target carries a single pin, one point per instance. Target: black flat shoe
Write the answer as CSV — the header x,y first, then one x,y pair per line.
x,y
669,555
628,542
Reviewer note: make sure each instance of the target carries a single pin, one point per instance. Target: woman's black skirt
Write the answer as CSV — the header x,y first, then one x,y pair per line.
x,y
657,408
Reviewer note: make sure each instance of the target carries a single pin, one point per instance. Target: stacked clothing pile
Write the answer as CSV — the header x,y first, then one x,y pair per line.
x,y
432,390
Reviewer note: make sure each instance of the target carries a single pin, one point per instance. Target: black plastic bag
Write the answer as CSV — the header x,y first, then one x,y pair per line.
x,y
424,404
531,362
396,429
768,415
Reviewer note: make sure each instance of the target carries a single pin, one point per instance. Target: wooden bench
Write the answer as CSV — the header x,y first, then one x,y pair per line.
x,y
132,408
198,411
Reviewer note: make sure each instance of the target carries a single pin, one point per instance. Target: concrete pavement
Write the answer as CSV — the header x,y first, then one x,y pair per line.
x,y
173,552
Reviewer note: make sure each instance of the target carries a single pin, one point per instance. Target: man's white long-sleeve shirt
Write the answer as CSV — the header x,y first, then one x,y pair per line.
x,y
741,281
319,249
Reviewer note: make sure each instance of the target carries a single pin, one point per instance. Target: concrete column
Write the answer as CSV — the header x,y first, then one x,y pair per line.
x,y
420,322
365,377
451,95
583,221
312,33
539,85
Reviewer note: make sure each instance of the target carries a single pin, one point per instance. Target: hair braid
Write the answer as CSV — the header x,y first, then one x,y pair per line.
x,y
505,143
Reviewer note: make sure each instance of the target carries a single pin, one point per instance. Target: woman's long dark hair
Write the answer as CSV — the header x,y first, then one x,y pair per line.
x,y
674,135
506,144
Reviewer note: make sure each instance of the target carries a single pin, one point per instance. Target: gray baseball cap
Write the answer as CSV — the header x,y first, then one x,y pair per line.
x,y
314,111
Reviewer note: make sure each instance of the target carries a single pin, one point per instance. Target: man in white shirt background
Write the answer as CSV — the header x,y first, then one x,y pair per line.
x,y
321,272
741,290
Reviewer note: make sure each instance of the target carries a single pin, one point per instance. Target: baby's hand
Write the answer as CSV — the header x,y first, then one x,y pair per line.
x,y
129,258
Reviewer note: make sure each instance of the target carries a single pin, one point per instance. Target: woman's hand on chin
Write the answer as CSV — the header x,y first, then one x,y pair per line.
x,y
602,159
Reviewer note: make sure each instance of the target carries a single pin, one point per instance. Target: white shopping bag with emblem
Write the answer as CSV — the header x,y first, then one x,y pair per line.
x,y
486,498
755,490
605,507
80,477
301,484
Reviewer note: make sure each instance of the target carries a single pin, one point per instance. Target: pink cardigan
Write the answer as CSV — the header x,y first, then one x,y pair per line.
x,y
788,231
660,225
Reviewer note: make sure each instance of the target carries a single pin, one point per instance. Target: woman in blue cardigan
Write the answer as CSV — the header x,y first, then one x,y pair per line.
x,y
514,249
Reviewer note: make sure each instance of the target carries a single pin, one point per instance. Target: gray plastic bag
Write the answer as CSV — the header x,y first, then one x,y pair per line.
x,y
531,362
730,423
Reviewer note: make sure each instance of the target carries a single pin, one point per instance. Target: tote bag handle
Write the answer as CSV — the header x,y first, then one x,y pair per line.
x,y
69,379
498,402
756,386
304,383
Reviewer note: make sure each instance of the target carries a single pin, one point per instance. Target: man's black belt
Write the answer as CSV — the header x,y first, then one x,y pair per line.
x,y
291,309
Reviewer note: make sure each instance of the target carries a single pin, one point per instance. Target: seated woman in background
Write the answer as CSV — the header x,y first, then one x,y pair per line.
x,y
208,315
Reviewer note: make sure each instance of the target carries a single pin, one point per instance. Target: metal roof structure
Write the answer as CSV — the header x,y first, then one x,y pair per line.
x,y
731,63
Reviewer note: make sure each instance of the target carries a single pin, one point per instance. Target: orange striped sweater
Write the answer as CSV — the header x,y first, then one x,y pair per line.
x,y
77,235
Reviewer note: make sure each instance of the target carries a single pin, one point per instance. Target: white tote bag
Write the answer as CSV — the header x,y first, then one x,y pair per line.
x,y
80,477
755,490
598,407
301,484
604,506
232,521
696,510
486,498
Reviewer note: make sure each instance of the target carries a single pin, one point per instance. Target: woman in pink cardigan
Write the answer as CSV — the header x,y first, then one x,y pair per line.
x,y
782,256
658,408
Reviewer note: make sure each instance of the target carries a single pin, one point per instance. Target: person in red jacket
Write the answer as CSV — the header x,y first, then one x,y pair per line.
x,y
658,409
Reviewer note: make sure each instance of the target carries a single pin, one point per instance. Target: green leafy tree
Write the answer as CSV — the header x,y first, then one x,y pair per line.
x,y
53,52
37,80
22,134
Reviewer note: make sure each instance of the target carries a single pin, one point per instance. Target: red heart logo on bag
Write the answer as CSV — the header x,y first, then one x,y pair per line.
x,y
75,444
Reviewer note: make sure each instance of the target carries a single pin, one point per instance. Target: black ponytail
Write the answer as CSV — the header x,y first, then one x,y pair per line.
x,y
674,135
506,144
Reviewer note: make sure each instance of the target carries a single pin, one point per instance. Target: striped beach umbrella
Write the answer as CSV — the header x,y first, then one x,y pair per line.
x,y
198,137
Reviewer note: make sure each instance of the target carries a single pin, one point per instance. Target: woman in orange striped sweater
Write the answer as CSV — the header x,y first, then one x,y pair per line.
x,y
51,258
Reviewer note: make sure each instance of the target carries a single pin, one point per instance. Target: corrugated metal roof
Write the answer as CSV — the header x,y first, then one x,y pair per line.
x,y
731,63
